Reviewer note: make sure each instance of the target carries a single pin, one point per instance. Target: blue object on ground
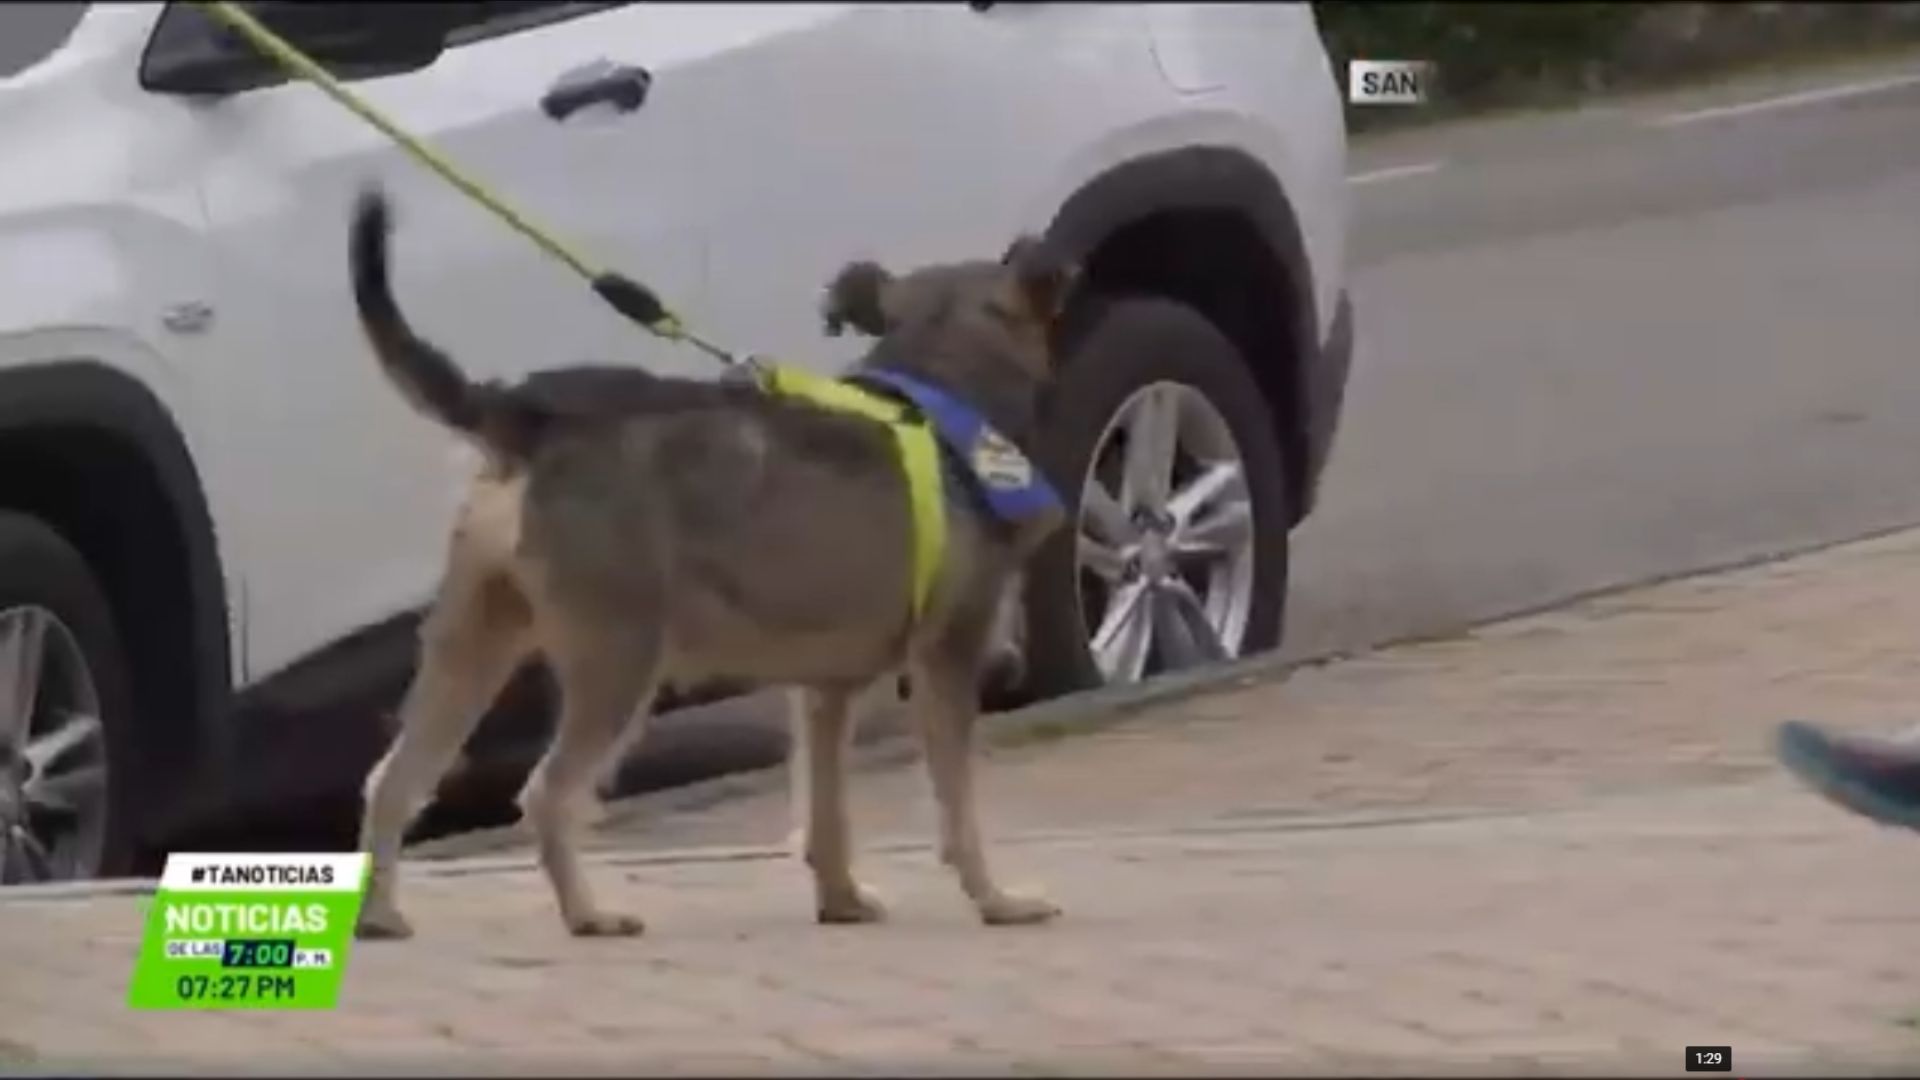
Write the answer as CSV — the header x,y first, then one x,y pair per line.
x,y
1876,778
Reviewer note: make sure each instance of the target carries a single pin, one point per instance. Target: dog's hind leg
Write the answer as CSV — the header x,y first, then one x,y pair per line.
x,y
608,672
470,644
945,707
828,723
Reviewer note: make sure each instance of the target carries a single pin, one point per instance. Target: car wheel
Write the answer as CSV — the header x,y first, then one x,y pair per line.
x,y
1160,437
63,703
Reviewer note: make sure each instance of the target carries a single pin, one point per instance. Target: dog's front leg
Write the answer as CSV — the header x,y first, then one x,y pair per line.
x,y
798,804
827,719
882,694
1006,665
945,708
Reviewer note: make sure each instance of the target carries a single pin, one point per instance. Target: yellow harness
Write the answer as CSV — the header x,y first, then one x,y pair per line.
x,y
916,446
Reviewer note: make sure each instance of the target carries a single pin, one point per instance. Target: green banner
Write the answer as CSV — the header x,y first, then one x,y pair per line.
x,y
248,932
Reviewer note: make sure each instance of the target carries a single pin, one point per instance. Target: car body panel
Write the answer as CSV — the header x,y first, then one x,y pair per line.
x,y
282,165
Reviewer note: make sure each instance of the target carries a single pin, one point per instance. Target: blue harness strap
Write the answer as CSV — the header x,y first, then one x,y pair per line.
x,y
1007,481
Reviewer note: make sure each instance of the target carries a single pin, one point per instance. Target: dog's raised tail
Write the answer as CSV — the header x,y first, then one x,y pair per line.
x,y
424,374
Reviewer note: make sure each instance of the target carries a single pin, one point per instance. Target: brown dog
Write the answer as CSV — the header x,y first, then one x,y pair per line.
x,y
705,531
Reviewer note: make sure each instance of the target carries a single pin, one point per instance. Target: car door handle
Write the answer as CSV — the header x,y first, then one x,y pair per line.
x,y
623,86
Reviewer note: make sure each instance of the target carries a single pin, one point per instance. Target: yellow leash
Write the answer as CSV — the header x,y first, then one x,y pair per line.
x,y
915,443
626,296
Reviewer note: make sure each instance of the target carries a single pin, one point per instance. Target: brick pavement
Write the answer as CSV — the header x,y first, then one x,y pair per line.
x,y
1632,877
1680,682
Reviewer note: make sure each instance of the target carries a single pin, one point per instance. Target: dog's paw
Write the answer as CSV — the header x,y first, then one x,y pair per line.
x,y
1018,909
1003,679
382,925
604,924
863,906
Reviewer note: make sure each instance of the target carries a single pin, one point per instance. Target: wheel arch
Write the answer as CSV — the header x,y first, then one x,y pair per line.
x,y
70,427
1213,227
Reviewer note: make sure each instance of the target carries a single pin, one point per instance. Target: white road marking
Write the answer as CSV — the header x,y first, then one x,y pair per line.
x,y
1787,101
1395,172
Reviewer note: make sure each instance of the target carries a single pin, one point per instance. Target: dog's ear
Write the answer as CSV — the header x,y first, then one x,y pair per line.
x,y
1043,273
857,297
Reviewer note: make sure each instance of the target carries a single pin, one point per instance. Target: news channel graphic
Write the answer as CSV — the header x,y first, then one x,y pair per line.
x,y
249,932
1390,82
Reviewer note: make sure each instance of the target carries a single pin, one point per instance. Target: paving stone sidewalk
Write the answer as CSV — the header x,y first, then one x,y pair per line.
x,y
1675,683
1608,870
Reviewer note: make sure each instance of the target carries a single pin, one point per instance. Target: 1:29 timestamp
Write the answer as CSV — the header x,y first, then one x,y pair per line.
x,y
236,987
1709,1059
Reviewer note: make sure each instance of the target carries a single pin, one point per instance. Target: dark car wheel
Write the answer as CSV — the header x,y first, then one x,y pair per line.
x,y
63,707
1162,439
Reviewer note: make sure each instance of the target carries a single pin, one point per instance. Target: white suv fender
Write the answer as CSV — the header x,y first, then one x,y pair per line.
x,y
100,269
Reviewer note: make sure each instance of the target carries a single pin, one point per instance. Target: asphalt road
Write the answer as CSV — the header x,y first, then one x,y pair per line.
x,y
1598,348
29,31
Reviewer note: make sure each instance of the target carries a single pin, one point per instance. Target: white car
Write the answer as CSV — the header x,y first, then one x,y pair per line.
x,y
217,521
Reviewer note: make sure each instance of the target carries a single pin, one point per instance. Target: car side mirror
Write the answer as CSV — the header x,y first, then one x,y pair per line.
x,y
193,53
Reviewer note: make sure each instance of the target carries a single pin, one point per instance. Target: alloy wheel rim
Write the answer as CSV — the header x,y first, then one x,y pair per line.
x,y
53,752
1165,549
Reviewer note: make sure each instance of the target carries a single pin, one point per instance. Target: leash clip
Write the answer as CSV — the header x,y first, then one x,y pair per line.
x,y
747,369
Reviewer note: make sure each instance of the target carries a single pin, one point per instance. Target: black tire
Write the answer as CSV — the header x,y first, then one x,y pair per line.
x,y
1112,350
38,567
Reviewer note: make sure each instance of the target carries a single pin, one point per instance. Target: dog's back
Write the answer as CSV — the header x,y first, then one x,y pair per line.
x,y
772,538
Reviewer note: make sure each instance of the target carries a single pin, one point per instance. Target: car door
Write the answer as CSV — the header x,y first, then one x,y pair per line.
x,y
357,490
909,133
